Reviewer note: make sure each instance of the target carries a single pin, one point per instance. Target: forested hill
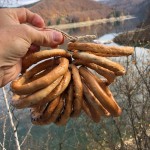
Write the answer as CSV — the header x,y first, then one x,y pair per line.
x,y
142,35
144,12
68,11
127,6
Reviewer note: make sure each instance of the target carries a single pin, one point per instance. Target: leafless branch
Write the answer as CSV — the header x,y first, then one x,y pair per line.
x,y
11,119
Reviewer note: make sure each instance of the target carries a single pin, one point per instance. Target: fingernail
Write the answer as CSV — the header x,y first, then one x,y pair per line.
x,y
57,37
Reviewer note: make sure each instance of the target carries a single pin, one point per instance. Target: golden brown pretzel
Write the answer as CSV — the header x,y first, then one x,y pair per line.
x,y
50,115
30,100
21,86
78,91
95,115
104,86
86,109
56,113
62,120
99,93
104,62
101,50
41,55
33,74
94,101
109,75
58,90
39,107
36,115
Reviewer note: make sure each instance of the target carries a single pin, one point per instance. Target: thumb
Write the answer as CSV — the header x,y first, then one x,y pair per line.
x,y
40,37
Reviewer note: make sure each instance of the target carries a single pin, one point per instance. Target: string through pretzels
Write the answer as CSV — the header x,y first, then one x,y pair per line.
x,y
72,38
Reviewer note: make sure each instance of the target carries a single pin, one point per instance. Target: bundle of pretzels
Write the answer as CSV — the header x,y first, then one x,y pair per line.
x,y
62,83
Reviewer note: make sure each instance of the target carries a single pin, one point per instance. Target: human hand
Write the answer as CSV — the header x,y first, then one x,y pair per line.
x,y
17,39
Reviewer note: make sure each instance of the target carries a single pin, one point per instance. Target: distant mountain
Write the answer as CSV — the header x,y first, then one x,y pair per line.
x,y
126,6
144,13
68,11
142,34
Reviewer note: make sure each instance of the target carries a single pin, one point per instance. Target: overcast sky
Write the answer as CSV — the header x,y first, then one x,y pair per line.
x,y
16,3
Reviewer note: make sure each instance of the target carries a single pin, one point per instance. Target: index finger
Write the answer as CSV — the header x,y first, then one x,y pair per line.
x,y
26,16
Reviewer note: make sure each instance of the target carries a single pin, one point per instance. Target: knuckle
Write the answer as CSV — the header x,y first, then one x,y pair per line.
x,y
46,39
23,10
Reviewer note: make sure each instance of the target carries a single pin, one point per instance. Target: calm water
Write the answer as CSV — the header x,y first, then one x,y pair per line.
x,y
102,29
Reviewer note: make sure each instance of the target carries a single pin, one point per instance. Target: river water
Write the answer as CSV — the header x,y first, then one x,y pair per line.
x,y
105,28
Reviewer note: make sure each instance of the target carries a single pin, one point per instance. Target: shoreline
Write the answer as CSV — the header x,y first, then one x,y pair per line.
x,y
92,22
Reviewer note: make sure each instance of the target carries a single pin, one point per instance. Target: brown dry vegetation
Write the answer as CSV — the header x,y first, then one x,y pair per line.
x,y
68,11
140,36
127,6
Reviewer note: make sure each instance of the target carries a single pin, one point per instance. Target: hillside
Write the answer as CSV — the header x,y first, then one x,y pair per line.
x,y
127,6
69,11
142,34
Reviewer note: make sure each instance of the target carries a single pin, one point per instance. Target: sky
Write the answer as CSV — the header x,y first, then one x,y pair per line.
x,y
16,3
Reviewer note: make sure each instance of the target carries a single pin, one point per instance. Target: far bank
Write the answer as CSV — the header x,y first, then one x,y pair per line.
x,y
92,22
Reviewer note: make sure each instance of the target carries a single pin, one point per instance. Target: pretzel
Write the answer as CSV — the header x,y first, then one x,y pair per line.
x,y
94,101
55,92
95,115
99,93
49,116
38,56
23,86
104,62
28,101
78,91
101,50
39,117
86,109
109,75
62,120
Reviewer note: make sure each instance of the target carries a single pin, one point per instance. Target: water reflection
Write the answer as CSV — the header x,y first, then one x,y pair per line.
x,y
101,29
